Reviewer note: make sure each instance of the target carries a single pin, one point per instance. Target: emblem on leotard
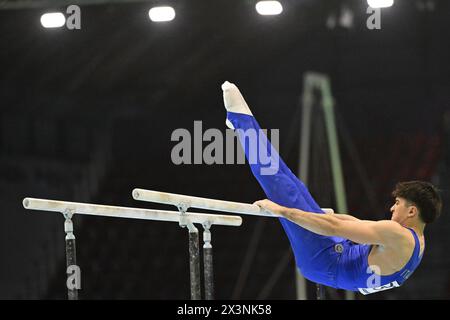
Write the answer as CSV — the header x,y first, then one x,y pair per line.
x,y
339,248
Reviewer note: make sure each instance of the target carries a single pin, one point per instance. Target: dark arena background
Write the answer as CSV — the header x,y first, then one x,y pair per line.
x,y
87,114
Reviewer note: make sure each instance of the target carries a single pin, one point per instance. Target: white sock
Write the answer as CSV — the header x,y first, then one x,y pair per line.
x,y
233,99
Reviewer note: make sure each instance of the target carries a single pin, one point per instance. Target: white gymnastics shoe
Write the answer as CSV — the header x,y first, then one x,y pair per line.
x,y
234,101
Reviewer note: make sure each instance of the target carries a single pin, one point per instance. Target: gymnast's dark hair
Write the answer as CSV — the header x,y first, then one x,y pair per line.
x,y
423,195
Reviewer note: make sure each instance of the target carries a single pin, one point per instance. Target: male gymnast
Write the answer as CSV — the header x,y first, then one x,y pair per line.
x,y
339,250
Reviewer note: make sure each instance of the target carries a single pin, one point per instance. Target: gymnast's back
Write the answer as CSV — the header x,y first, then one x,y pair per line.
x,y
356,272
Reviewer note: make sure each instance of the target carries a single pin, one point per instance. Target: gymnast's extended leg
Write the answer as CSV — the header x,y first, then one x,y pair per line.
x,y
280,185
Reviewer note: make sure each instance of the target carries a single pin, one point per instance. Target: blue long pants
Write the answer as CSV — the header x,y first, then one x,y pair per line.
x,y
314,254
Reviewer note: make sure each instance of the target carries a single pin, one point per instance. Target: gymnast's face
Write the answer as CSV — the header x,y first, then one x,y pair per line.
x,y
401,210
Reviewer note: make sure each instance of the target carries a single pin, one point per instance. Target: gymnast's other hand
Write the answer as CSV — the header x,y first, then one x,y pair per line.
x,y
270,207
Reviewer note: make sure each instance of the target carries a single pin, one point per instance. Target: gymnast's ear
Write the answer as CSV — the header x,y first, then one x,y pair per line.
x,y
413,211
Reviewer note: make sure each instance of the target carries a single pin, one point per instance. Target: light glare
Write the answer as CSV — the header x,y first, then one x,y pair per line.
x,y
380,3
266,8
53,20
160,14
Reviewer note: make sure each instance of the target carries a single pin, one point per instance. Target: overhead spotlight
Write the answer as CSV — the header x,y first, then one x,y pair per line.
x,y
161,14
53,20
380,3
268,8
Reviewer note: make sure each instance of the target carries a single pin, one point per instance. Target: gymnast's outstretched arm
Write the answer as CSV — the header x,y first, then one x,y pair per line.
x,y
384,232
347,217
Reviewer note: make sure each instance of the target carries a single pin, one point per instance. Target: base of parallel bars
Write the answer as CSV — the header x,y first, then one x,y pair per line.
x,y
194,265
208,263
73,279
